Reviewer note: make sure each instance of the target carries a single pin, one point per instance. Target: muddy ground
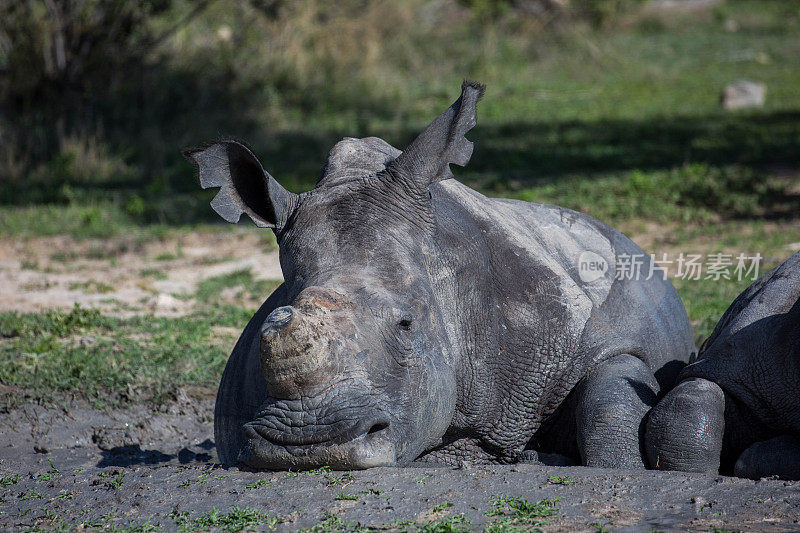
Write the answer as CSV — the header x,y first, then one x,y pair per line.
x,y
67,466
73,467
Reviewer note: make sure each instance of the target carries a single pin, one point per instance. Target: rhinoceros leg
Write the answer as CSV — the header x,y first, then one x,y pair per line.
x,y
613,402
686,429
775,457
242,389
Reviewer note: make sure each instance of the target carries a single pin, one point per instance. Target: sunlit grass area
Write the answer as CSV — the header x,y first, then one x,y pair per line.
x,y
111,360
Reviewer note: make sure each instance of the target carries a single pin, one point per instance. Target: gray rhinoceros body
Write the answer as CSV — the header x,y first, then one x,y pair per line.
x,y
420,319
737,409
528,328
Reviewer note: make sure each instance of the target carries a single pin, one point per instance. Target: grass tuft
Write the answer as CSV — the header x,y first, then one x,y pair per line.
x,y
236,519
332,523
515,513
451,524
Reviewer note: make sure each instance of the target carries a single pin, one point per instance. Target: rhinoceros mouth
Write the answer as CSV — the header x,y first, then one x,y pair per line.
x,y
338,433
366,444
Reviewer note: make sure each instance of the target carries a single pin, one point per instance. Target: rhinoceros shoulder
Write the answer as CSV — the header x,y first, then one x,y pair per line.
x,y
546,237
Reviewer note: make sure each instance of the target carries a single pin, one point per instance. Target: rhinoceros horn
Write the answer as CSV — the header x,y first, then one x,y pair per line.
x,y
292,344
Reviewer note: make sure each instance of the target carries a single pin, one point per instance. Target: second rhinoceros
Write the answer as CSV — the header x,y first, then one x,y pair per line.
x,y
419,319
736,409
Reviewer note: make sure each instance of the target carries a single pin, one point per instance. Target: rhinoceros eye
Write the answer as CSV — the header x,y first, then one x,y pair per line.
x,y
405,323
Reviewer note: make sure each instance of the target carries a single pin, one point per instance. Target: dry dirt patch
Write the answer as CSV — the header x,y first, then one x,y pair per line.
x,y
127,275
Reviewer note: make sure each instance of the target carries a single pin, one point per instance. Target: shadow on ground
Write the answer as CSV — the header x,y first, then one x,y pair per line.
x,y
540,151
529,152
133,454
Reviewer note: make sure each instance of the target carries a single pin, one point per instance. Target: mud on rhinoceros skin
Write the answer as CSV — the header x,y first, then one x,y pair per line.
x,y
421,320
737,408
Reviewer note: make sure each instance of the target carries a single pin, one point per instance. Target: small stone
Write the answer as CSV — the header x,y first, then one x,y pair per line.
x,y
166,303
87,341
763,58
38,448
744,94
224,34
699,503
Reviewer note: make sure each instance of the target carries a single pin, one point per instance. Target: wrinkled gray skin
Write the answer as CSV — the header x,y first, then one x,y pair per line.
x,y
737,408
420,319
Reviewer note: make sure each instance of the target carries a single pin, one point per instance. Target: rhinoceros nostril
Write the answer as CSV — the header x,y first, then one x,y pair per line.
x,y
277,321
280,316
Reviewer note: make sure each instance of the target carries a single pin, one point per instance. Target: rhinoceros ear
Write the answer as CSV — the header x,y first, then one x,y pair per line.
x,y
245,187
428,157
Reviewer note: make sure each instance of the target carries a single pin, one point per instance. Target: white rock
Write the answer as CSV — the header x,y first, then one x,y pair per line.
x,y
743,94
166,302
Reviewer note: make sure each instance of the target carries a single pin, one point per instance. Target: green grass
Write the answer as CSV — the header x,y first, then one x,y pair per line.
x,y
236,519
451,524
199,480
209,289
441,507
154,273
6,481
331,523
601,526
512,514
102,220
694,194
149,356
132,526
706,302
166,256
112,480
341,479
257,484
31,494
91,286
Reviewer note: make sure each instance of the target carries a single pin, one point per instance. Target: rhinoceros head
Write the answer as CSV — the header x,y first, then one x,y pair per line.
x,y
357,365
